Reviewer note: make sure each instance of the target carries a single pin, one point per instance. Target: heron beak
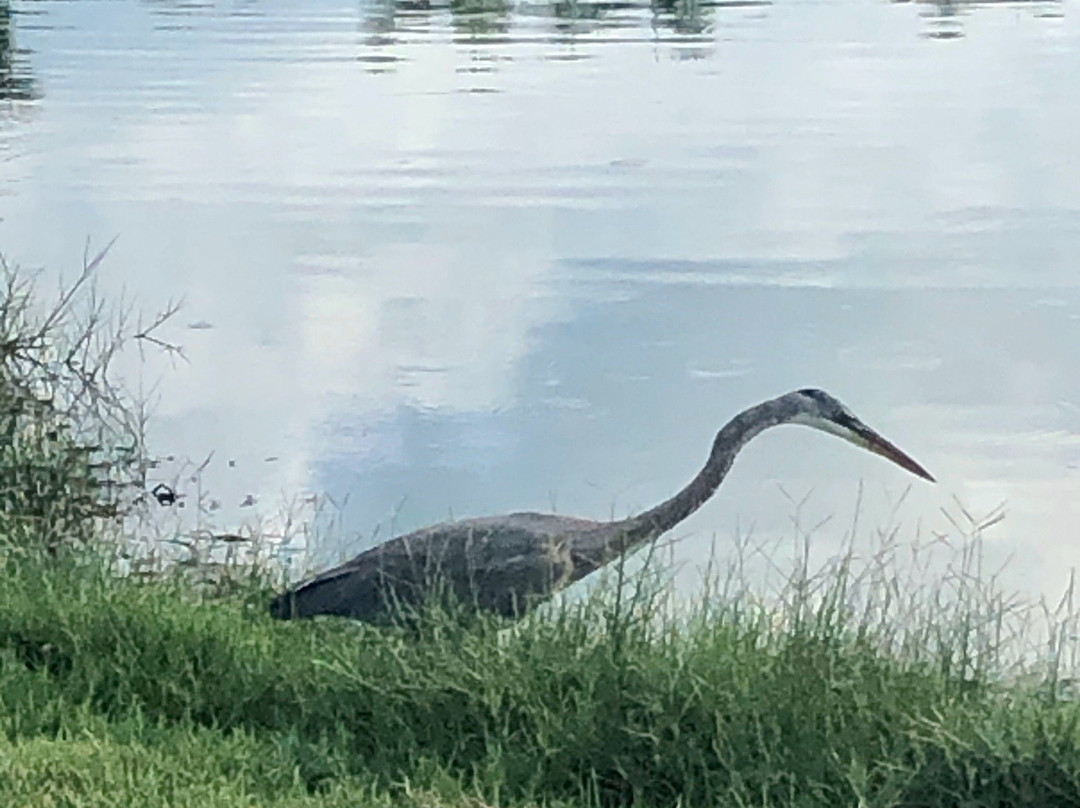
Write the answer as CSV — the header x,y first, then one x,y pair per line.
x,y
869,439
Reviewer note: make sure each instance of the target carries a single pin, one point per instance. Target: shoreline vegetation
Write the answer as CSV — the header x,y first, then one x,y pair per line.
x,y
857,683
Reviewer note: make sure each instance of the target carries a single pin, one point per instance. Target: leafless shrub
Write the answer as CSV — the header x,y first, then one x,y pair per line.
x,y
72,453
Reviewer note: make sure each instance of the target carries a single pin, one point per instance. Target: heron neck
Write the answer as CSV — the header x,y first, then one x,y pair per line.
x,y
616,538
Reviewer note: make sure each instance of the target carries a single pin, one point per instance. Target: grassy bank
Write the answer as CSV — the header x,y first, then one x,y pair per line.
x,y
114,691
851,688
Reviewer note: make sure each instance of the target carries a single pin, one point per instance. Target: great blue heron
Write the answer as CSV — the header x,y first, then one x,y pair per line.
x,y
508,564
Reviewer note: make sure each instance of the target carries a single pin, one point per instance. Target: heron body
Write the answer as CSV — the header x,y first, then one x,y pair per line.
x,y
508,564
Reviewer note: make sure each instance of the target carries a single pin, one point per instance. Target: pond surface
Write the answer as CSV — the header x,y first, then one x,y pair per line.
x,y
449,260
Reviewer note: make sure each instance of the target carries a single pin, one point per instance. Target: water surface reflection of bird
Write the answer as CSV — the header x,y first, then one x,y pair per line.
x,y
508,564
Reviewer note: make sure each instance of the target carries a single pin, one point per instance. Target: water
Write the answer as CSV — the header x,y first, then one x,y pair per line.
x,y
533,257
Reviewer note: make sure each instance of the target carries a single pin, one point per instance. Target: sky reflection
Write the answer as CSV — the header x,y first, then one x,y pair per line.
x,y
458,261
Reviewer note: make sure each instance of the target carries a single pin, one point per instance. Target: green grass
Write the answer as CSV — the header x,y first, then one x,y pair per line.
x,y
118,692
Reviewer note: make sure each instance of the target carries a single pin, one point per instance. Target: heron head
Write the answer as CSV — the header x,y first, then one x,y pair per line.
x,y
822,411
